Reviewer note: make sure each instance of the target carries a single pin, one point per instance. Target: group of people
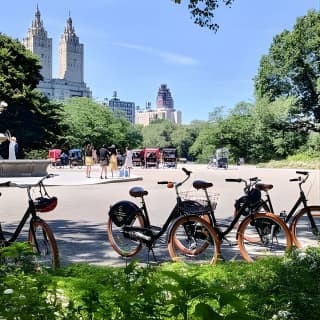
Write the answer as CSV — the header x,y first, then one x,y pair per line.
x,y
107,157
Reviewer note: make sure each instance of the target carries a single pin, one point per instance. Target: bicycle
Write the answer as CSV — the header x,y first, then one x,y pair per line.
x,y
129,228
304,223
40,235
259,234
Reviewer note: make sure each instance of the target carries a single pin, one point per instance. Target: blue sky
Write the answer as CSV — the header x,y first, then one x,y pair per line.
x,y
133,46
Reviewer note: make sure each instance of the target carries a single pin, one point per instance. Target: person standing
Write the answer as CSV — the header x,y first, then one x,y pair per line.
x,y
113,159
104,161
13,149
88,159
128,162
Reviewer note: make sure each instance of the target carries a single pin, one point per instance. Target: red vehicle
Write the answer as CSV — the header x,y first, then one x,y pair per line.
x,y
151,157
137,157
54,157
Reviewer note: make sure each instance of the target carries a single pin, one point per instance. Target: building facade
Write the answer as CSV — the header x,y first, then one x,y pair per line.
x,y
70,82
165,109
125,107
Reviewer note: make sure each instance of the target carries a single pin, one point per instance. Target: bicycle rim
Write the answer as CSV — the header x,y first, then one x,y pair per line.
x,y
193,240
120,241
303,234
44,245
262,235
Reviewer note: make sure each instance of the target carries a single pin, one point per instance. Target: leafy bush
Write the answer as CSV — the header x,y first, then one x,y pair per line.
x,y
273,288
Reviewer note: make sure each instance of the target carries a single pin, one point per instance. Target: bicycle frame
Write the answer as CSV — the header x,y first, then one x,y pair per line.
x,y
150,237
267,204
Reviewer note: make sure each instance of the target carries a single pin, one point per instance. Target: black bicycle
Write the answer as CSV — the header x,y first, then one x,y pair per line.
x,y
40,235
258,234
189,237
303,220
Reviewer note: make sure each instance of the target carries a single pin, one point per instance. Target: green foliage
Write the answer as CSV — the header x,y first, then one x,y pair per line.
x,y
30,116
88,121
202,11
273,288
292,67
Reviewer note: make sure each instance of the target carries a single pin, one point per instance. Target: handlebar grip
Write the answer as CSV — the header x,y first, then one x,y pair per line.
x,y
254,179
5,184
186,171
233,180
163,182
302,172
294,179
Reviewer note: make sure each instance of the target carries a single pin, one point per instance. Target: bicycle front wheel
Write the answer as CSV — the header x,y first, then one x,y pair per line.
x,y
193,240
304,233
121,241
44,245
261,235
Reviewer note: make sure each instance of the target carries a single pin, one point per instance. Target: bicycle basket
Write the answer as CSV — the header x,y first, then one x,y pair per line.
x,y
123,212
196,200
45,204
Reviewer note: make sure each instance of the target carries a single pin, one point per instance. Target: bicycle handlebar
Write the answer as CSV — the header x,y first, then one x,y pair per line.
x,y
233,180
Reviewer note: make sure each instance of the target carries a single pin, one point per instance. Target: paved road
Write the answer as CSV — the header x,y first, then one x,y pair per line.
x,y
79,221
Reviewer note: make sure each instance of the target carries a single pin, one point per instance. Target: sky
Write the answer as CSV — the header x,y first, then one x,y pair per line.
x,y
134,46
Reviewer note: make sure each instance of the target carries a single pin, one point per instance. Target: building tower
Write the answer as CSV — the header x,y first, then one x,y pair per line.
x,y
70,55
38,43
164,98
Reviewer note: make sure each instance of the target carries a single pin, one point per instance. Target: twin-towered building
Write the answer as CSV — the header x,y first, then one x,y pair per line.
x,y
70,81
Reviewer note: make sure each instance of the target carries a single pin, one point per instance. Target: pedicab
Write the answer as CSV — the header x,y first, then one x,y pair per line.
x,y
76,158
54,157
137,157
169,157
151,157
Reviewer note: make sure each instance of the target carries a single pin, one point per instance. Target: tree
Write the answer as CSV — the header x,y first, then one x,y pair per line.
x,y
30,116
292,67
91,122
202,11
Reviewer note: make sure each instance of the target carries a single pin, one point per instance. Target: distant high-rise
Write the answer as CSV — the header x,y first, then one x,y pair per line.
x,y
37,42
70,55
165,109
124,107
71,80
164,98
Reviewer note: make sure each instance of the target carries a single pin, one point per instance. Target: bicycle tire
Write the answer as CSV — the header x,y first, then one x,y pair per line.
x,y
261,235
302,233
46,250
123,245
193,240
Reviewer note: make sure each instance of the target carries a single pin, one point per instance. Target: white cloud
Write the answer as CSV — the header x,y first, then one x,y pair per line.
x,y
167,57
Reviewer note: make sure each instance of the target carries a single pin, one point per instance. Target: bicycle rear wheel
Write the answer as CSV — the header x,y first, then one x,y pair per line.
x,y
303,233
120,241
193,240
261,235
44,245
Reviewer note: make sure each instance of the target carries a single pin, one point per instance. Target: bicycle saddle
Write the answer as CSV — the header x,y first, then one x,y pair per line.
x,y
200,184
264,187
138,192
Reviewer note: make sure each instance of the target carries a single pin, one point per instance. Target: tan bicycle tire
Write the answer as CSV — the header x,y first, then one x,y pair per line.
x,y
248,239
116,247
49,237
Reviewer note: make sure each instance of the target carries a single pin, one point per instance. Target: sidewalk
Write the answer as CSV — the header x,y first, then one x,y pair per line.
x,y
71,177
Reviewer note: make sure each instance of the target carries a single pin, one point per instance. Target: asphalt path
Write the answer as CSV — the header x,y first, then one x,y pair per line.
x,y
79,221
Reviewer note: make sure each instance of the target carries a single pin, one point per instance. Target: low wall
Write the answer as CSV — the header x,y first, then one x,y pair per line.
x,y
23,168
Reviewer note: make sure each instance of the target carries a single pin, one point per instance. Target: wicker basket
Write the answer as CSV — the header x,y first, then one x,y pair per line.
x,y
200,197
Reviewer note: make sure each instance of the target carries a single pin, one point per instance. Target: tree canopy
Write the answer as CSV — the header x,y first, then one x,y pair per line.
x,y
202,11
29,115
88,121
292,67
